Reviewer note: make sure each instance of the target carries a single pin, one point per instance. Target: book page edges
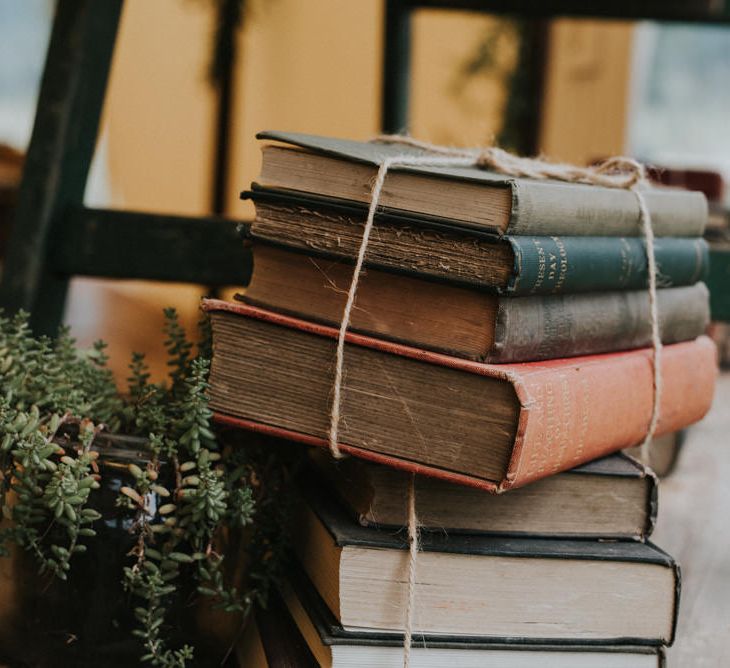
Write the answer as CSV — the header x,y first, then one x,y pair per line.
x,y
538,450
539,205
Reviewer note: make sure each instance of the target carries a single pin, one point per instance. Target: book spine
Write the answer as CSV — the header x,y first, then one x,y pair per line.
x,y
555,265
652,503
576,413
570,411
542,208
540,328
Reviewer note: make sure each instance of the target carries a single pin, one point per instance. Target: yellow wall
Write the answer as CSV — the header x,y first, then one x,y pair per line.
x,y
304,66
587,90
311,66
448,107
157,137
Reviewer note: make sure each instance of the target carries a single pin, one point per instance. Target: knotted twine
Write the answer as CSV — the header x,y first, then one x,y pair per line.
x,y
619,172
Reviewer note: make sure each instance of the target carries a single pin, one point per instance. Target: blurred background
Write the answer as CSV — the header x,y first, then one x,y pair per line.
x,y
575,90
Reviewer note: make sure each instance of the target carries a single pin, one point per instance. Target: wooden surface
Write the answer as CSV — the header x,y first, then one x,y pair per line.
x,y
694,526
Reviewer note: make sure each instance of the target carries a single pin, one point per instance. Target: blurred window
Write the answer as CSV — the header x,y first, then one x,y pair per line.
x,y
24,31
680,112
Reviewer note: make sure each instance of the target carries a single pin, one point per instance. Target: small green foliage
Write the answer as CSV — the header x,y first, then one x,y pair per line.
x,y
149,585
54,401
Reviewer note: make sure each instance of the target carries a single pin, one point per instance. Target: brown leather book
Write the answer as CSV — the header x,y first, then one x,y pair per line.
x,y
466,322
345,169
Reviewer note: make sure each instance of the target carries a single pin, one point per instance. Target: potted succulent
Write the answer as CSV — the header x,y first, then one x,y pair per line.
x,y
123,511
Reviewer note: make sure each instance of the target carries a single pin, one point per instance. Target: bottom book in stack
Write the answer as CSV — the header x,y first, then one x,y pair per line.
x,y
520,580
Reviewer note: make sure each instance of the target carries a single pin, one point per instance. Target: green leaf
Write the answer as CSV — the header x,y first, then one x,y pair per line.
x,y
132,494
180,557
135,471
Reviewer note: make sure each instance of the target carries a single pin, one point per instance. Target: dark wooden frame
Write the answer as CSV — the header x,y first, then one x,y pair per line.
x,y
55,237
397,47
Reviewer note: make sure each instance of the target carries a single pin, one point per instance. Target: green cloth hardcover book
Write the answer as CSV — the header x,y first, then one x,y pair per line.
x,y
476,198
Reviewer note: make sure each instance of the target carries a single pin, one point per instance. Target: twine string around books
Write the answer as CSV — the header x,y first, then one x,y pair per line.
x,y
413,547
620,172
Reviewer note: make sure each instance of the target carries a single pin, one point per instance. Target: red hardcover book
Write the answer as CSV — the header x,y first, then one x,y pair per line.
x,y
489,426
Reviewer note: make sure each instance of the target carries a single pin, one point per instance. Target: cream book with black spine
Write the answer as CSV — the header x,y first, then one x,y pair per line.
x,y
526,589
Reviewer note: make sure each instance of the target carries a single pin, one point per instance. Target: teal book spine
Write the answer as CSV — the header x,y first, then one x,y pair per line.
x,y
562,265
719,283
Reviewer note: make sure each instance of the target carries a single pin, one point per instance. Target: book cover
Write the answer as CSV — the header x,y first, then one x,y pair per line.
x,y
570,410
332,632
538,265
538,207
614,497
353,544
468,322
298,597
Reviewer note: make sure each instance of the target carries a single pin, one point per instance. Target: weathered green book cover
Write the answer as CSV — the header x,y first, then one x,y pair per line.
x,y
541,265
719,283
541,208
553,265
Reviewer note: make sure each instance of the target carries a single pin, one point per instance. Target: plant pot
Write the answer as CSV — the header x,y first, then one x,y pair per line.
x,y
87,620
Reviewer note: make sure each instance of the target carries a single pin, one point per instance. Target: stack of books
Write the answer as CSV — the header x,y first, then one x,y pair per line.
x,y
499,344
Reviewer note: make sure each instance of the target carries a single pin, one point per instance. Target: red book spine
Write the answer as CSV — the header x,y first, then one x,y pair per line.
x,y
572,410
576,410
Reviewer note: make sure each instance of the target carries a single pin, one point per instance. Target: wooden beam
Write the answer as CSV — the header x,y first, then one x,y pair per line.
x,y
710,11
396,67
127,244
59,156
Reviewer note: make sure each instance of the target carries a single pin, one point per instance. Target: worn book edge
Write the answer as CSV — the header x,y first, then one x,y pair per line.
x,y
508,373
331,632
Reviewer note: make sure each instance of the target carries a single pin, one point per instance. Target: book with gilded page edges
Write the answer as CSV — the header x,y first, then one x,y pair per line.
x,y
473,197
489,426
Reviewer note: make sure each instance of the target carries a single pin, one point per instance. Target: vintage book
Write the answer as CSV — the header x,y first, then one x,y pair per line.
x,y
298,616
511,265
273,640
537,589
614,497
250,652
491,426
663,452
493,202
719,281
471,323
